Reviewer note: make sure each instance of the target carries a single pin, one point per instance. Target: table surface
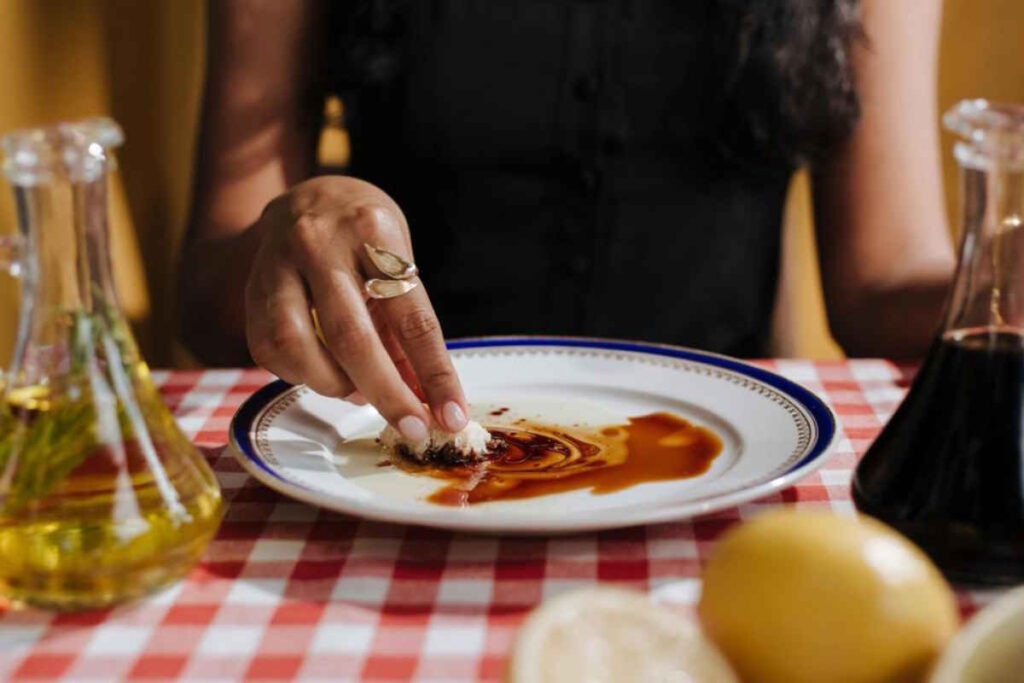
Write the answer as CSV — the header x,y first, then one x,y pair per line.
x,y
287,591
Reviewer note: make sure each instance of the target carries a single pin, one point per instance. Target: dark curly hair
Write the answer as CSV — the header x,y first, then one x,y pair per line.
x,y
788,89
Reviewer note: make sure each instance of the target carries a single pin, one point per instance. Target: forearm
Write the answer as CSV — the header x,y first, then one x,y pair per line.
x,y
887,261
893,320
258,133
211,289
886,256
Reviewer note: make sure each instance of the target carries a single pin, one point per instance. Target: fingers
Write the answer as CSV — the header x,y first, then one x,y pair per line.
x,y
354,343
318,236
415,325
280,332
395,350
412,320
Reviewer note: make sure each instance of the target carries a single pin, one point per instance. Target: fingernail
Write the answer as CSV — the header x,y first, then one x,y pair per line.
x,y
413,428
453,416
355,398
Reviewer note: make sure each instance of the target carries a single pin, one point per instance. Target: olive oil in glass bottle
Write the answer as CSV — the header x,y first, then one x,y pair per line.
x,y
102,498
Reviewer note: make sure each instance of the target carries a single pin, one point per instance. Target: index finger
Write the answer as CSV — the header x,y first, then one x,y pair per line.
x,y
412,319
353,341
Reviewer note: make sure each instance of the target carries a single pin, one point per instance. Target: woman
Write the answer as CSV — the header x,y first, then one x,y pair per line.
x,y
598,167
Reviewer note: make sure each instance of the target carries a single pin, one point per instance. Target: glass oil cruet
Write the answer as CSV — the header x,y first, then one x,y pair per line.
x,y
102,498
948,469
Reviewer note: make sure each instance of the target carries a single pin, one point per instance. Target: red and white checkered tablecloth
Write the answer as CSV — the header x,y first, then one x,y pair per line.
x,y
287,591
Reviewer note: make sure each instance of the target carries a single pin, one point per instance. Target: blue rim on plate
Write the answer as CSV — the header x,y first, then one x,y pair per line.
x,y
823,417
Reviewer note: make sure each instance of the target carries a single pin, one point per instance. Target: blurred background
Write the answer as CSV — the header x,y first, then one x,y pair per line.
x,y
142,64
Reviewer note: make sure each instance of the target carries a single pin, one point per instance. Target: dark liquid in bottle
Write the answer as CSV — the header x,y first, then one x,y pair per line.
x,y
947,470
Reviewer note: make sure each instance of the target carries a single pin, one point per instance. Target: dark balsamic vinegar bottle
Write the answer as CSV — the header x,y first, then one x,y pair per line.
x,y
948,469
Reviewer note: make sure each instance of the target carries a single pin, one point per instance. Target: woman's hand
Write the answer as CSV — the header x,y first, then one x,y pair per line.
x,y
311,256
305,250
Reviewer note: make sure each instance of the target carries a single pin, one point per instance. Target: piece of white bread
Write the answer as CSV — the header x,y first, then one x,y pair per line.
x,y
471,440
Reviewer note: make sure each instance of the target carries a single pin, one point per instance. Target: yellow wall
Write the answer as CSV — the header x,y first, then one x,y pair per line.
x,y
141,62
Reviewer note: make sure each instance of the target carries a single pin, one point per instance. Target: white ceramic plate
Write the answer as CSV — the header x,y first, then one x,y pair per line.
x,y
320,450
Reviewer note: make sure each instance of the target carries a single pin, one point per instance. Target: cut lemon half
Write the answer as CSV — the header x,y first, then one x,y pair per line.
x,y
605,634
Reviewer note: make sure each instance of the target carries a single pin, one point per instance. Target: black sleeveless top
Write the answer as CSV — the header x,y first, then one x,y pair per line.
x,y
559,167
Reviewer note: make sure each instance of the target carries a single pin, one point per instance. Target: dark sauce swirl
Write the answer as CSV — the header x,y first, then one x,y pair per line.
x,y
529,460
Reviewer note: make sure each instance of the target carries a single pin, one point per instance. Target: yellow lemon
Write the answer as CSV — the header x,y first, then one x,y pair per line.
x,y
809,596
610,635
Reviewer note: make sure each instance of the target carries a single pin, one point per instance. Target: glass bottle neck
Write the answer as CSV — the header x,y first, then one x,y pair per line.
x,y
988,292
65,226
67,282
